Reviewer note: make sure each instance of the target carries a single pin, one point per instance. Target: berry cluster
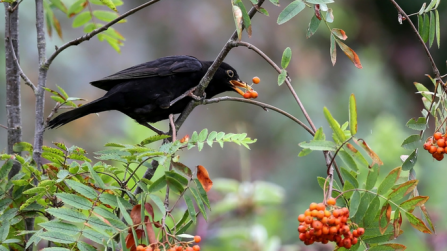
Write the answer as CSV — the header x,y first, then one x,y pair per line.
x,y
437,145
179,247
251,93
320,225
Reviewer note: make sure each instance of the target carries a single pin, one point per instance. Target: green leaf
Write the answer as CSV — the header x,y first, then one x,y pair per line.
x,y
290,11
304,152
286,57
94,236
9,214
57,237
174,184
106,16
159,203
389,181
417,223
410,204
96,178
418,125
432,28
191,210
75,200
333,50
319,145
237,16
158,184
82,189
245,18
199,199
182,168
4,203
347,186
348,160
334,125
6,168
354,203
319,1
60,5
23,146
282,77
81,19
203,134
372,178
182,180
85,247
4,230
363,206
61,227
349,177
110,4
202,192
125,213
76,7
412,142
371,212
410,161
352,115
313,26
438,28
350,53
329,16
319,134
425,28
263,11
275,2
403,190
431,5
67,214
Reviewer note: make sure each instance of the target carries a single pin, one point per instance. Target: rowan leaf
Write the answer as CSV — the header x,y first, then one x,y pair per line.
x,y
290,11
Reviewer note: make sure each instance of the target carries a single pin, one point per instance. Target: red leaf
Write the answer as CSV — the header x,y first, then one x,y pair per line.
x,y
317,11
204,178
135,214
150,230
350,53
149,209
386,211
130,241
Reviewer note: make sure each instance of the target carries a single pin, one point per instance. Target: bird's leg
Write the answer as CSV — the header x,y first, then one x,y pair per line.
x,y
159,132
189,93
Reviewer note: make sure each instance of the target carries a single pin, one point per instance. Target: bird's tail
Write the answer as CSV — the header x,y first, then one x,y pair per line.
x,y
98,105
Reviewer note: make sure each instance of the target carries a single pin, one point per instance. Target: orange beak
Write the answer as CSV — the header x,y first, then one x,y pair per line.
x,y
237,83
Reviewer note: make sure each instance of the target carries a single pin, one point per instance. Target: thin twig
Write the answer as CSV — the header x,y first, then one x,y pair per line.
x,y
260,104
53,111
15,7
4,127
338,149
95,32
443,76
171,120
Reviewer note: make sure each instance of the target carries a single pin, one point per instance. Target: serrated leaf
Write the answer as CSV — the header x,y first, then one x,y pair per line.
x,y
387,246
96,178
158,184
363,206
372,178
182,180
350,53
286,57
412,142
354,203
200,199
375,158
94,236
174,184
61,227
4,230
202,192
334,125
82,189
60,5
389,181
81,19
418,125
191,210
182,168
403,189
352,115
349,177
106,16
319,145
304,152
282,77
348,160
371,212
67,214
410,161
57,237
110,4
85,247
410,204
290,11
417,223
75,200
341,34
333,50
23,146
348,186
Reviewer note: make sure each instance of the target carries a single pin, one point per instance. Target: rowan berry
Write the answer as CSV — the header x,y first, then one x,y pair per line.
x,y
189,249
301,218
354,241
253,94
325,220
302,229
320,214
197,238
345,211
354,233
347,243
325,230
437,135
309,219
321,207
440,150
331,201
247,95
432,149
179,248
317,225
336,213
302,236
313,206
140,248
307,212
196,248
148,248
441,142
256,80
360,231
427,146
333,230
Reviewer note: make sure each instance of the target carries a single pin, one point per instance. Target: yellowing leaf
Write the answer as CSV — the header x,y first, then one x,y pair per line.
x,y
350,53
204,178
109,4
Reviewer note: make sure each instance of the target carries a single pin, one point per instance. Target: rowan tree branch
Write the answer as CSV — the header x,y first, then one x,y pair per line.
x,y
22,74
95,32
4,126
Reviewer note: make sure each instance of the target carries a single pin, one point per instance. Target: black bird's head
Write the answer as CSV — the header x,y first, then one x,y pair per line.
x,y
225,79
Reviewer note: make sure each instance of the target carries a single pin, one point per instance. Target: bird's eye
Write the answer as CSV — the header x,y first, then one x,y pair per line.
x,y
230,73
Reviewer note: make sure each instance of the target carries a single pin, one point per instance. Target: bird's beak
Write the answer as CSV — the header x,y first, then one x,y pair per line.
x,y
238,83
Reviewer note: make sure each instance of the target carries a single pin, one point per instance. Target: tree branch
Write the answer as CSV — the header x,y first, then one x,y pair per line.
x,y
4,126
95,32
260,104
22,74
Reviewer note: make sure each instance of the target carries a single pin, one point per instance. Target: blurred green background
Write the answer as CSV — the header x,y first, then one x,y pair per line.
x,y
392,60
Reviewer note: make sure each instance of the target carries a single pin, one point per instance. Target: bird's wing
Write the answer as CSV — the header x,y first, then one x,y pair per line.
x,y
160,67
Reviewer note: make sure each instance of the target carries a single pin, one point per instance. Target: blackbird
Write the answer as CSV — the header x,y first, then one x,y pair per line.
x,y
144,92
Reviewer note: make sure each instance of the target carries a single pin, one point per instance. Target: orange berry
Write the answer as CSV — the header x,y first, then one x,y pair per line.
x,y
325,220
254,94
345,211
185,139
317,225
347,243
427,146
432,149
327,213
314,213
331,220
247,95
333,230
441,142
196,248
354,241
302,236
320,214
345,229
148,248
438,156
440,150
302,229
331,201
307,212
256,80
140,248
313,206
360,231
336,213
354,233
179,248
337,221
301,218
318,232
437,135
189,249
321,207
309,219
197,238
